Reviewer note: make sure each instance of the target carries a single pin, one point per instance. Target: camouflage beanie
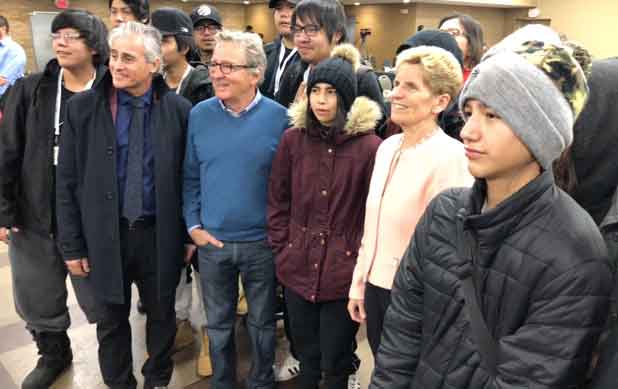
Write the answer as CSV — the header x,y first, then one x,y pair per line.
x,y
538,89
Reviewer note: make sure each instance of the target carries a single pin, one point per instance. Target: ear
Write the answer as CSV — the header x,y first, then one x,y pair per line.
x,y
336,38
441,102
156,66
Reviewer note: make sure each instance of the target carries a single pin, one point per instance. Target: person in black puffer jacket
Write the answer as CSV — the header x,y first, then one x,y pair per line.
x,y
536,259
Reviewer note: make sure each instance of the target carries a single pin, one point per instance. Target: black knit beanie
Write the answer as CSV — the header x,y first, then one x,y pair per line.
x,y
438,38
339,71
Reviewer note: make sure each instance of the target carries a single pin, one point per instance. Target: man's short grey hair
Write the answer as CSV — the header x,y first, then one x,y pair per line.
x,y
251,45
150,36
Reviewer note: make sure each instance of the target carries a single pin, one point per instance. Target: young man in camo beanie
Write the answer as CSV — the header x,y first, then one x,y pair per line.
x,y
506,283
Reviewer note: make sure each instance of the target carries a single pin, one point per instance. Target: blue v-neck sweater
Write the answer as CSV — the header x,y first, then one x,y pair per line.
x,y
227,166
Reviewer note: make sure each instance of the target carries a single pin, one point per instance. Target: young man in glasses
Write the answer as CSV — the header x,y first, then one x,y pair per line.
x,y
280,53
317,27
231,142
34,117
121,11
206,24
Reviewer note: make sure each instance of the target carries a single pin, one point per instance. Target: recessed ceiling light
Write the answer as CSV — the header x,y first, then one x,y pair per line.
x,y
406,1
246,2
357,3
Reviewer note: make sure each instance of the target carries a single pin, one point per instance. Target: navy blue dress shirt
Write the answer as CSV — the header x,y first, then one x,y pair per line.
x,y
123,123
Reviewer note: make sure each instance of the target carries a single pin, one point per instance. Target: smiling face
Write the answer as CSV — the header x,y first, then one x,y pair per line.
x,y
283,17
323,103
313,47
493,150
71,50
413,105
128,65
241,83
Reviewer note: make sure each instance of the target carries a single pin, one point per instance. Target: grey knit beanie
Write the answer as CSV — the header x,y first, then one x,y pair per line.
x,y
538,89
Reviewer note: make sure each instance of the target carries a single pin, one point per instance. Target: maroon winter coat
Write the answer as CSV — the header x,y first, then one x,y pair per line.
x,y
316,202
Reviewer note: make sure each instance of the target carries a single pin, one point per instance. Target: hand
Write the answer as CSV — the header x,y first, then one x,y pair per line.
x,y
356,308
202,238
189,251
3,81
5,234
78,267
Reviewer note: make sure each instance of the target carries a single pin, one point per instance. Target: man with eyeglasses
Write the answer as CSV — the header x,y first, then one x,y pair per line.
x,y
121,11
35,114
206,24
317,27
280,53
231,142
119,202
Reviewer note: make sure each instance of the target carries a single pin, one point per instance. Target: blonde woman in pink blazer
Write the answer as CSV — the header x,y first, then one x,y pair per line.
x,y
410,169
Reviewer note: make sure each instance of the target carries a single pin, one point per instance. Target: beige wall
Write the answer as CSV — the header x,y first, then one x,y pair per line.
x,y
261,18
592,23
389,28
17,11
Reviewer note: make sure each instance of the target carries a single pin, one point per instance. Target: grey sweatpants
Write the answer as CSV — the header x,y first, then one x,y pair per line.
x,y
39,284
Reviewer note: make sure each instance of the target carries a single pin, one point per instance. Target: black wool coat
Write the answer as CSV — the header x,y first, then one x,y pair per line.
x,y
87,187
543,282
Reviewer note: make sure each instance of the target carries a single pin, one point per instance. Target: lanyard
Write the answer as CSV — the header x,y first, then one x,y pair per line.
x,y
182,79
57,122
282,65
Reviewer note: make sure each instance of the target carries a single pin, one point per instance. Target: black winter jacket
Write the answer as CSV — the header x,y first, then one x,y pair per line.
x,y
26,151
198,86
367,86
541,273
272,51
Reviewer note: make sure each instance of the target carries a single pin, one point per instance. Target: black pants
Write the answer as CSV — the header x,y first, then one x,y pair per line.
x,y
324,339
138,250
377,301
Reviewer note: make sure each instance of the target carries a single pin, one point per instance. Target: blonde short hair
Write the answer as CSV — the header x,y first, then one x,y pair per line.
x,y
251,45
441,70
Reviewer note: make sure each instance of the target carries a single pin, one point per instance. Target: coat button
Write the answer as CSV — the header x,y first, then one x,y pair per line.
x,y
330,151
109,195
322,242
110,151
304,229
289,244
313,297
315,265
324,192
348,253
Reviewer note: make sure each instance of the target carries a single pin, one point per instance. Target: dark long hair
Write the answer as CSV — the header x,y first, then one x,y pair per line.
x,y
139,8
564,171
90,27
473,33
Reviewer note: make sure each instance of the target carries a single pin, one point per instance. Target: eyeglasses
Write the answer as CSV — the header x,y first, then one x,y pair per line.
x,y
212,28
310,30
227,68
67,36
454,31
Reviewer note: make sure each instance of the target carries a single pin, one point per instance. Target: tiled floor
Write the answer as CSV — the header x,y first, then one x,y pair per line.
x,y
18,353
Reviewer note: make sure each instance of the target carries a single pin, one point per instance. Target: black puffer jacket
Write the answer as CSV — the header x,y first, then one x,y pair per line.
x,y
540,269
198,86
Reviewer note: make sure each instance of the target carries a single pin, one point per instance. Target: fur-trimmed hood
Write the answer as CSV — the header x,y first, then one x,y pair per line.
x,y
363,117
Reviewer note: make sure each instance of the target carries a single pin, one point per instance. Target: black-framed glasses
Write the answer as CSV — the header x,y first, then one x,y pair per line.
x,y
227,68
67,36
455,32
310,30
211,28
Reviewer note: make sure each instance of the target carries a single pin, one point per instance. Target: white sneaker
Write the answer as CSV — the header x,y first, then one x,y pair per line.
x,y
353,381
287,370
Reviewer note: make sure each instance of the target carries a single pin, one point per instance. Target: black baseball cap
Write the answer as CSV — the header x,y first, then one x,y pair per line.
x,y
273,3
171,21
205,12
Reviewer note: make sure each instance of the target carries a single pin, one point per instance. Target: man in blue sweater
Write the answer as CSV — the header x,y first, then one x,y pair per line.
x,y
231,142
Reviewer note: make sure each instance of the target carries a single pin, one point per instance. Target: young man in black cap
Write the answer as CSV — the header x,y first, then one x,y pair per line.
x,y
206,24
121,11
35,114
193,83
281,52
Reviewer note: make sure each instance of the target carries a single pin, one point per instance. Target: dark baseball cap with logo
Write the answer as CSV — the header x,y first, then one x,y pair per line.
x,y
171,21
273,3
206,13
